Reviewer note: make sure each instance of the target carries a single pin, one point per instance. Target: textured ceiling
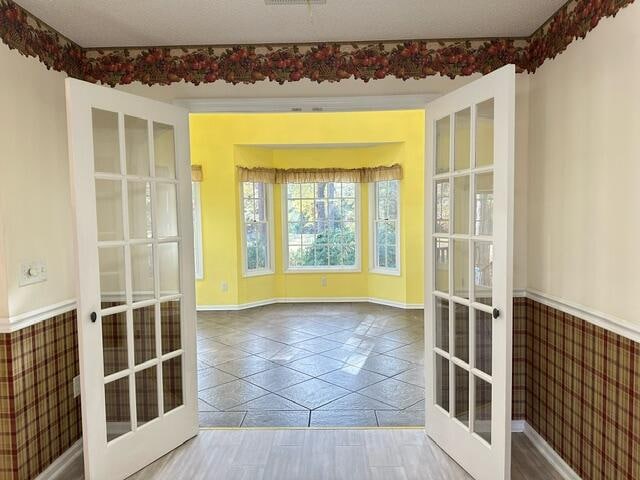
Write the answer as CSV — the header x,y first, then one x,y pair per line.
x,y
93,23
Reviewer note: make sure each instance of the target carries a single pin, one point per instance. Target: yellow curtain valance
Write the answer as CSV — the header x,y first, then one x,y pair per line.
x,y
310,175
196,173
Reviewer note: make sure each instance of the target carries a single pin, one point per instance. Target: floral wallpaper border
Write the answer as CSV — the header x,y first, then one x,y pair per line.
x,y
330,62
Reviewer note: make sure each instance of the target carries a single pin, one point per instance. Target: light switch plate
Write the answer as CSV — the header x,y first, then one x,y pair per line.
x,y
33,272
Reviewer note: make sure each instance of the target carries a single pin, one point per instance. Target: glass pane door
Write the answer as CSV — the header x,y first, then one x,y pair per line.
x,y
463,267
469,273
138,244
131,183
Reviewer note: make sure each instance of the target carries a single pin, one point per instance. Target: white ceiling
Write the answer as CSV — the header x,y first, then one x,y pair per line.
x,y
93,23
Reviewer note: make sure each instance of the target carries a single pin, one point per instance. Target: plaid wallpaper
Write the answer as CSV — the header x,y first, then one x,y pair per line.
x,y
576,384
583,393
39,417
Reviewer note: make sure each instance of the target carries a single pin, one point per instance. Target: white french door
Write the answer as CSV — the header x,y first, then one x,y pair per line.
x,y
131,186
468,270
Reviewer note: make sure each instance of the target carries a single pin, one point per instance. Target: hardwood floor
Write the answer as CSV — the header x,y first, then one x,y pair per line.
x,y
297,454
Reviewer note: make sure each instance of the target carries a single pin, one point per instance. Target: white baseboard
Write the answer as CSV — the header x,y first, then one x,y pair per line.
x,y
271,301
60,464
548,453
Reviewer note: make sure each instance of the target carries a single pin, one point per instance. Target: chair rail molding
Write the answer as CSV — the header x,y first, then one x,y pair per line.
x,y
13,323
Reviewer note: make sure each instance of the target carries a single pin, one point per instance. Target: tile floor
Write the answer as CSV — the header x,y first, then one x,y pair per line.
x,y
298,365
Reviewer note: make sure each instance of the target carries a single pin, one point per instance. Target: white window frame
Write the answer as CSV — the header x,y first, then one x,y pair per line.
x,y
356,268
197,230
269,269
373,246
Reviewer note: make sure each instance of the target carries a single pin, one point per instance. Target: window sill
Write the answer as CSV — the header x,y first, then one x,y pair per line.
x,y
385,271
257,273
322,270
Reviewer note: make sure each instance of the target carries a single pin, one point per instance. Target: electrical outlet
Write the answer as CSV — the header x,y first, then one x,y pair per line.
x,y
76,386
323,281
224,287
33,272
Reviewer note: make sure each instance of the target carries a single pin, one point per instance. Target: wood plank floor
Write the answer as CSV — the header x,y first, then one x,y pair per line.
x,y
349,454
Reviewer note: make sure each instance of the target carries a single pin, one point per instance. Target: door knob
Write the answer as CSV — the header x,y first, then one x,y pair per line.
x,y
93,317
496,313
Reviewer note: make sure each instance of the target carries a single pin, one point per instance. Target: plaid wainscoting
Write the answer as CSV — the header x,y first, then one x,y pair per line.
x,y
40,418
583,393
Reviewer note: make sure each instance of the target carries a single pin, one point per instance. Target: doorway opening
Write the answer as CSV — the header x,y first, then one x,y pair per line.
x,y
311,288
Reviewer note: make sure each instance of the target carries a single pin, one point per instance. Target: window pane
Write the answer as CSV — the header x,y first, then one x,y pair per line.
x,y
165,150
321,224
109,209
484,133
442,145
441,256
137,145
442,207
484,204
117,408
106,143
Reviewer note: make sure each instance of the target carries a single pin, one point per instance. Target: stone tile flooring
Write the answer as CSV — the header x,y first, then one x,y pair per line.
x,y
298,365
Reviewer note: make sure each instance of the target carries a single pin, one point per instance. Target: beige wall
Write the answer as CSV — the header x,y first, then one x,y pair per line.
x,y
35,209
575,118
584,168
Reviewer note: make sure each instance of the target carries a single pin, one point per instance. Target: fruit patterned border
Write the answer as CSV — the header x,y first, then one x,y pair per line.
x,y
330,62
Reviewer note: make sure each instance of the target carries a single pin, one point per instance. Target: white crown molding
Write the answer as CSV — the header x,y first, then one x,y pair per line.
x,y
306,104
18,322
59,467
604,320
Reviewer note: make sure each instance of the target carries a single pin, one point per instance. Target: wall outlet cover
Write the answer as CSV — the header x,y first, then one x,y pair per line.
x,y
76,386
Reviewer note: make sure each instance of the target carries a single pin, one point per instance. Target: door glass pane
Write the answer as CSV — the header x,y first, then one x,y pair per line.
x,y
172,383
484,134
147,395
461,268
443,141
139,210
461,322
442,264
170,319
109,210
169,268
442,323
112,276
461,405
137,146
167,218
442,207
484,204
461,204
482,422
442,382
484,325
106,145
164,150
462,152
483,272
144,333
117,408
114,343
142,272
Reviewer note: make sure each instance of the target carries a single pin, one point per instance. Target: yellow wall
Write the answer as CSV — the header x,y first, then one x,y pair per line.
x,y
219,142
